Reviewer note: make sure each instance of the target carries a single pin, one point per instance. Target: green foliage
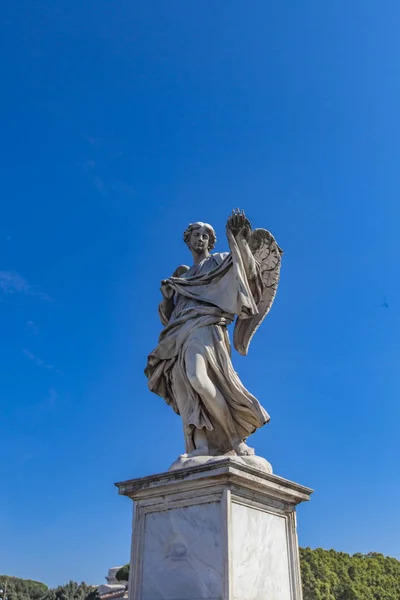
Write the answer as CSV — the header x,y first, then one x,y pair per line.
x,y
71,591
14,588
123,573
330,575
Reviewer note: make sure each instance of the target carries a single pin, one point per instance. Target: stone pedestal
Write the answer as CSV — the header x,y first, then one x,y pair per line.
x,y
223,531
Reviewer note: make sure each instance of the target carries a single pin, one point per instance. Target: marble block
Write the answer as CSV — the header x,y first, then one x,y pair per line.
x,y
221,530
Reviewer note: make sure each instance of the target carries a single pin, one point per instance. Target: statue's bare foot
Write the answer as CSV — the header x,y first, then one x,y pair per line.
x,y
243,449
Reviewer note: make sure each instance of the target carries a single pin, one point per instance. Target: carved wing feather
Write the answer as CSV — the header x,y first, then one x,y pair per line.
x,y
268,254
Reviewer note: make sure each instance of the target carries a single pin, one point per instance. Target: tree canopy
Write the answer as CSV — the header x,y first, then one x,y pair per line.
x,y
123,573
331,575
14,588
71,591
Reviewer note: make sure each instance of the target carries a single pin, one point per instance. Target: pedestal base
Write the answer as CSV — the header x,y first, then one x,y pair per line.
x,y
185,462
223,530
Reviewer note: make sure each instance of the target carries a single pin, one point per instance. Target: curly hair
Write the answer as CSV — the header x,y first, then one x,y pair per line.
x,y
210,230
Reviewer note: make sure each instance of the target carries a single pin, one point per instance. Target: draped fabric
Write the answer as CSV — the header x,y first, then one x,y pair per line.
x,y
207,298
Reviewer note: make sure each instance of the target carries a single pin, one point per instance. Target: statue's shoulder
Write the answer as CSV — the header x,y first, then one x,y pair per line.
x,y
219,257
181,270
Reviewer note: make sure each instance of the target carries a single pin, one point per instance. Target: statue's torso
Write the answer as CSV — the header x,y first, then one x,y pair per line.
x,y
211,262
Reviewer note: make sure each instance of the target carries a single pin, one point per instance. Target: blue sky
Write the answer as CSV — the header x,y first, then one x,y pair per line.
x,y
122,123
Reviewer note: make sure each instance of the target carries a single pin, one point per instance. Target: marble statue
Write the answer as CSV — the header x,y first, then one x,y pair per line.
x,y
191,366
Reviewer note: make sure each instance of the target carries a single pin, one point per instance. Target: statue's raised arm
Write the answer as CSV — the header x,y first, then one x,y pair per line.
x,y
261,252
191,366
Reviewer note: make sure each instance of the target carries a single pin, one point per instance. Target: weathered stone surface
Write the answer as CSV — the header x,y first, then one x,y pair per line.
x,y
185,462
191,366
220,530
260,554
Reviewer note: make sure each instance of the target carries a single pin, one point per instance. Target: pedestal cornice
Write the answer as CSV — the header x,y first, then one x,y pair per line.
x,y
227,472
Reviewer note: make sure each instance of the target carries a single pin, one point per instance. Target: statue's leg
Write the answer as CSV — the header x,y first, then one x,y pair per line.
x,y
196,370
200,443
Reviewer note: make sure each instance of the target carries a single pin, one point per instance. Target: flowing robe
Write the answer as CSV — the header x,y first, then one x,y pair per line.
x,y
207,298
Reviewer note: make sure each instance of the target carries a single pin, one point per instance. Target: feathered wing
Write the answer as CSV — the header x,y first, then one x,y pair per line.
x,y
268,254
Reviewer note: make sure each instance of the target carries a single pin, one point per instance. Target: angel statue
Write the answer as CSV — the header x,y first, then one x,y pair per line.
x,y
191,367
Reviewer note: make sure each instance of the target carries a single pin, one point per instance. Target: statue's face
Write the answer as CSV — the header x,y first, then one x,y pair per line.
x,y
199,239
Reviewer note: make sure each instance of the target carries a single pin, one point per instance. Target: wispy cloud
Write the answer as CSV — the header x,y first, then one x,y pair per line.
x,y
52,400
89,167
26,457
13,283
99,185
122,187
112,186
94,141
4,235
32,327
98,169
36,360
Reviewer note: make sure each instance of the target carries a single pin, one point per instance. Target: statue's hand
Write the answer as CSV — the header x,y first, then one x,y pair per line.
x,y
239,224
166,289
244,233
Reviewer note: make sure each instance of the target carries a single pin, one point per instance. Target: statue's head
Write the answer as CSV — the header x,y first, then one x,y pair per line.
x,y
198,234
